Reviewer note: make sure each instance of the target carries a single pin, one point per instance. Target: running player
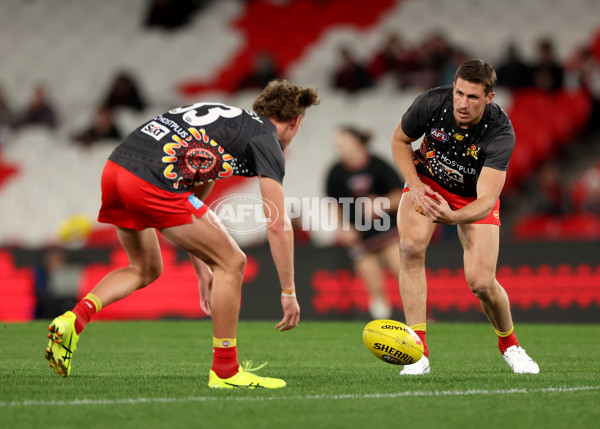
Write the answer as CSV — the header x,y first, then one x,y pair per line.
x,y
157,178
455,177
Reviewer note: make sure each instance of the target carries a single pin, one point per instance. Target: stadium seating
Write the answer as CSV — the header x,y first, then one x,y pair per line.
x,y
91,42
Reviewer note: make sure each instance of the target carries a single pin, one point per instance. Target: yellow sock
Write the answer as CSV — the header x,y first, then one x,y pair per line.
x,y
95,300
224,343
419,327
505,334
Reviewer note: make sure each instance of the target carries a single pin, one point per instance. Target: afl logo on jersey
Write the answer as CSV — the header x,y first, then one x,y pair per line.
x,y
439,135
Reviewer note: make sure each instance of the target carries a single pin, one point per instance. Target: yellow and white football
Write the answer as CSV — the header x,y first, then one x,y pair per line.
x,y
393,342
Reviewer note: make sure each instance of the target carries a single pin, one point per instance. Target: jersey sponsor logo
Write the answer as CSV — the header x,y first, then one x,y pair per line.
x,y
155,130
451,163
174,126
439,135
458,137
452,174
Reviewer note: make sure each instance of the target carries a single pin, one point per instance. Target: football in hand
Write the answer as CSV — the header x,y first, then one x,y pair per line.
x,y
420,210
393,342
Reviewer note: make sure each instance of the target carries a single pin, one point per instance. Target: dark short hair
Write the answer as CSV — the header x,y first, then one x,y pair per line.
x,y
478,71
364,137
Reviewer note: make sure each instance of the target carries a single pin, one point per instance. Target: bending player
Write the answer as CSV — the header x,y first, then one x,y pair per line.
x,y
157,178
455,177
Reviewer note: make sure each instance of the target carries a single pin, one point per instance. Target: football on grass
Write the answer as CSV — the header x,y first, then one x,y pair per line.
x,y
393,342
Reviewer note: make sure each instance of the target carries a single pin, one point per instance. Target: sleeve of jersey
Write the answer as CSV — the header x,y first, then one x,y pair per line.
x,y
268,158
499,150
414,121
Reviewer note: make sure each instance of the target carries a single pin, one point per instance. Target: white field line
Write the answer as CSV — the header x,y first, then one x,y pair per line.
x,y
474,392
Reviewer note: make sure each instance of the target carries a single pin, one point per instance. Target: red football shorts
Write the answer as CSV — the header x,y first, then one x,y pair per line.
x,y
457,202
130,202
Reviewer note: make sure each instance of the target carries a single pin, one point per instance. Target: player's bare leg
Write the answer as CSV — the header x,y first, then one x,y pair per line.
x,y
207,239
481,245
391,256
370,272
415,232
145,266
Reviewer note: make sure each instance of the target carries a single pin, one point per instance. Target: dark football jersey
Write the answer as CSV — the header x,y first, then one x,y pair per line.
x,y
192,145
377,178
451,156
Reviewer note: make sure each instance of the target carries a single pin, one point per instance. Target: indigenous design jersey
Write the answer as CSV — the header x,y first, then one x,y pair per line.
x,y
197,144
452,156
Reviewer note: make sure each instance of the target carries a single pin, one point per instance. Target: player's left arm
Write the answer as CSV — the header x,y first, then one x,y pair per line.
x,y
489,186
205,280
281,242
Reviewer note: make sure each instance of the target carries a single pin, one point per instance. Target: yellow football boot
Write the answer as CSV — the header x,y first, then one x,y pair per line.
x,y
244,379
62,344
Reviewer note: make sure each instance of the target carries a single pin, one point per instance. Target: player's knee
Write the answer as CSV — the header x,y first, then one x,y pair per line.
x,y
151,274
237,263
481,289
411,248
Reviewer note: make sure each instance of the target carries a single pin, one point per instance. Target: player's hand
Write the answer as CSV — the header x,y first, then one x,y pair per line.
x,y
205,281
437,209
291,313
419,192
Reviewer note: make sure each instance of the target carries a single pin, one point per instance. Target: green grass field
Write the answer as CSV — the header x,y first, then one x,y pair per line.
x,y
154,374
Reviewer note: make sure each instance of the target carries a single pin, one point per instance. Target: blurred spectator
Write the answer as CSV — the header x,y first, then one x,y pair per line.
x,y
584,72
513,72
586,191
547,194
264,71
39,111
457,57
124,92
372,245
396,57
350,75
56,283
171,14
434,54
547,73
103,127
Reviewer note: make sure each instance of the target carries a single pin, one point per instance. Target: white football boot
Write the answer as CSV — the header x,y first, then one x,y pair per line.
x,y
519,361
420,367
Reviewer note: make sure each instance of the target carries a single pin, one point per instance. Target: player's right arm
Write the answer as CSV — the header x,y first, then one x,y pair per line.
x,y
404,158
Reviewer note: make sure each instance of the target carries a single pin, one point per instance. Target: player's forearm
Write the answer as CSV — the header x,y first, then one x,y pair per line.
x,y
281,242
477,210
